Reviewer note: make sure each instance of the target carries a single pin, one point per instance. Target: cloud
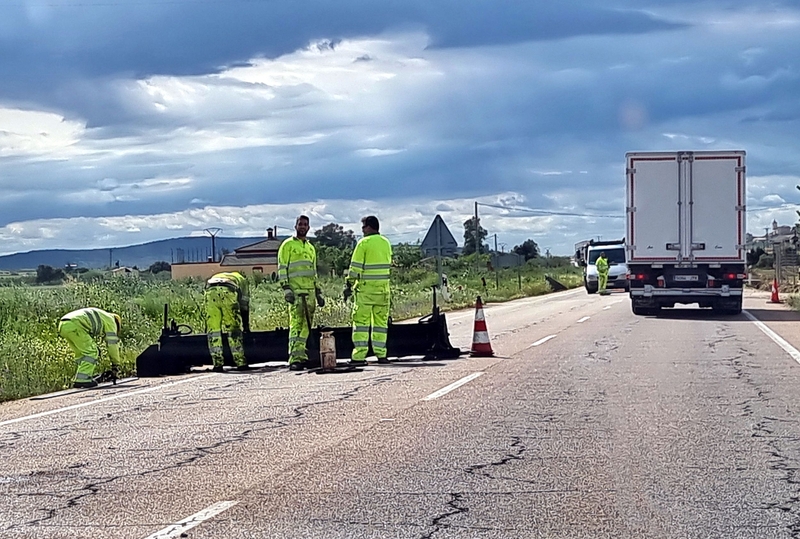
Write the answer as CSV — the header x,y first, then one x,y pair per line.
x,y
403,106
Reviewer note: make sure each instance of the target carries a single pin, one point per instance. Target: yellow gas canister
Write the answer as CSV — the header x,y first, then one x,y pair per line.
x,y
327,351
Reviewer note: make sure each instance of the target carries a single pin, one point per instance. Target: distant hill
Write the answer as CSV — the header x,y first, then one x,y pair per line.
x,y
187,249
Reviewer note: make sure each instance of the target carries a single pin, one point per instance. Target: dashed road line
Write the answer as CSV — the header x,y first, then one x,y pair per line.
x,y
584,319
455,385
780,341
180,528
542,341
98,401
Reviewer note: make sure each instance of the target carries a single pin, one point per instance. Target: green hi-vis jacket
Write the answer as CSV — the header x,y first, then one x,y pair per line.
x,y
236,282
98,323
371,264
602,265
297,264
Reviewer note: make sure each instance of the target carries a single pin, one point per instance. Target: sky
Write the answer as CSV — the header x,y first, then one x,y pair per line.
x,y
127,121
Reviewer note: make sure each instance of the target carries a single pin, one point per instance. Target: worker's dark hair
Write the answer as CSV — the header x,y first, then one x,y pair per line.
x,y
299,217
372,222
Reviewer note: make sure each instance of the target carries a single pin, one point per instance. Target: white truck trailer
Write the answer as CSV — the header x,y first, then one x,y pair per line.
x,y
686,229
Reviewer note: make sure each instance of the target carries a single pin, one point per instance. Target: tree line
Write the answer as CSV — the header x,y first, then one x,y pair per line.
x,y
334,245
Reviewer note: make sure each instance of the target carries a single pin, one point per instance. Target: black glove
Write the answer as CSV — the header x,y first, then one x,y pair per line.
x,y
288,295
320,299
348,291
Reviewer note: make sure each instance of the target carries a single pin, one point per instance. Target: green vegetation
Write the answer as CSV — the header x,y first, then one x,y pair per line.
x,y
35,360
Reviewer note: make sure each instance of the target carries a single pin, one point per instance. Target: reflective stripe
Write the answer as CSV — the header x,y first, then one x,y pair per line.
x,y
80,377
88,359
297,339
96,321
377,266
380,330
213,334
300,263
359,265
374,277
363,329
360,343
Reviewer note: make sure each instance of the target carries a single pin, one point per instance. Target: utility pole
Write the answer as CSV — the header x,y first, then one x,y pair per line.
x,y
496,274
213,231
477,229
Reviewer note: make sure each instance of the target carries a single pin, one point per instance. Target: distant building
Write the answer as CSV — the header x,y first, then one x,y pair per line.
x,y
260,257
125,271
778,234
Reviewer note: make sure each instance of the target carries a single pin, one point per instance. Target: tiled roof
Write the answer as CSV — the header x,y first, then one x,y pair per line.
x,y
270,244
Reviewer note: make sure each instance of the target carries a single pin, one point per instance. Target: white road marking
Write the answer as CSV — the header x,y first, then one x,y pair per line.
x,y
607,307
584,319
175,530
452,316
90,403
791,350
455,385
542,341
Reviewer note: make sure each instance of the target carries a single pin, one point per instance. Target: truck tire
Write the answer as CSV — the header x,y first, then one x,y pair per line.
x,y
732,308
589,289
729,308
644,310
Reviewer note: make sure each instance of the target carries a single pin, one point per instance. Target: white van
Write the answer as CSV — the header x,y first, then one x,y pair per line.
x,y
587,255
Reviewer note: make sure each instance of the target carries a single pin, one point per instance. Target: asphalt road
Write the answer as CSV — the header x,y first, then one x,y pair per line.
x,y
589,423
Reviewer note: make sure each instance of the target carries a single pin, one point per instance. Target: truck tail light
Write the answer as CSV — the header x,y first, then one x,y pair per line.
x,y
662,283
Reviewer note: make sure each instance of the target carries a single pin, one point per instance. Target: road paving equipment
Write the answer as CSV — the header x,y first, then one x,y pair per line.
x,y
179,348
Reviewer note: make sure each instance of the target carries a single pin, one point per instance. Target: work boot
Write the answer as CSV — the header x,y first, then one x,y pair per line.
x,y
242,367
297,366
83,385
383,360
218,368
357,363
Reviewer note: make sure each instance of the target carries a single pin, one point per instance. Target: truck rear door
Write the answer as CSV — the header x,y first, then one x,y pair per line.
x,y
653,209
716,184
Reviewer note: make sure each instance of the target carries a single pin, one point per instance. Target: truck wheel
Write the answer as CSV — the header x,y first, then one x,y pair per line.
x,y
589,289
728,307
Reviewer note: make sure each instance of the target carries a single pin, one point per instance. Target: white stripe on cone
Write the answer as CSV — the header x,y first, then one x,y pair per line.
x,y
481,337
479,316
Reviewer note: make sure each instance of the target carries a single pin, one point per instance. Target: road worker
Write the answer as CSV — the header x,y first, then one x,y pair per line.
x,y
602,273
80,328
368,283
227,298
297,274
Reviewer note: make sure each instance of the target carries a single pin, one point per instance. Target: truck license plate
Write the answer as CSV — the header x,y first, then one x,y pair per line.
x,y
686,278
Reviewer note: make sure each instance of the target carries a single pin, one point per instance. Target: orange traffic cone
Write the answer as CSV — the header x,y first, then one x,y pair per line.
x,y
775,298
481,347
